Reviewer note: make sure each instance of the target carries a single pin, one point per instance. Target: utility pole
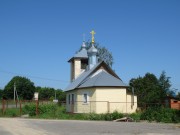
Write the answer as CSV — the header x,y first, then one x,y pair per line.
x,y
55,94
17,96
14,92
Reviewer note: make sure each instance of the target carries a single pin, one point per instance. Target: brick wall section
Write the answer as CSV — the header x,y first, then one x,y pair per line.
x,y
175,104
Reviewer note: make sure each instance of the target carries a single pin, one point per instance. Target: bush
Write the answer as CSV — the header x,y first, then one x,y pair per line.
x,y
116,115
161,114
11,112
105,116
30,109
93,116
42,109
135,116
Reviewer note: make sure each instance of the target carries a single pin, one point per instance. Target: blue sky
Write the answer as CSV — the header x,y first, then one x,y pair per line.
x,y
37,37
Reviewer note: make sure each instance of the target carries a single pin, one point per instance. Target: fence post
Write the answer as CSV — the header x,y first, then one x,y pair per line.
x,y
6,103
3,106
37,103
20,109
16,103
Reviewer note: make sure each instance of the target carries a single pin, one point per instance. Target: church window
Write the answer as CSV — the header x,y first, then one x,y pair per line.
x,y
85,98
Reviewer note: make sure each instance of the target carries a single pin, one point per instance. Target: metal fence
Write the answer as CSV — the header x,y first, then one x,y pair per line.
x,y
110,107
100,107
18,105
88,107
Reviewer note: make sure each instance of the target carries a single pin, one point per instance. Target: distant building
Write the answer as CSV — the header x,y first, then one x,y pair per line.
x,y
95,87
172,102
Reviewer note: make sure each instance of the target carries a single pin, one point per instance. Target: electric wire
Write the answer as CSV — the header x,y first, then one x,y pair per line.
x,y
37,77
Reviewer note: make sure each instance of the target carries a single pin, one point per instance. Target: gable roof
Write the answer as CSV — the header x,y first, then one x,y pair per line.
x,y
102,79
105,78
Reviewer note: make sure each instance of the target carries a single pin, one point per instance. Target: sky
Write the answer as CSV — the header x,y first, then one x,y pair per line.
x,y
38,37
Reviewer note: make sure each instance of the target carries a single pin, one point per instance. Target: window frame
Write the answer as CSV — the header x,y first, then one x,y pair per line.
x,y
85,100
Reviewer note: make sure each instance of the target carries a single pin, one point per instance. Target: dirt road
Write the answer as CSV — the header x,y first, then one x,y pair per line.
x,y
15,126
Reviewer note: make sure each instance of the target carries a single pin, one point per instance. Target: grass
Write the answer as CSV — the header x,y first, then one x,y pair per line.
x,y
54,111
11,112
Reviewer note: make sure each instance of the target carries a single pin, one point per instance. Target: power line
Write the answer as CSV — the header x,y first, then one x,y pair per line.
x,y
37,77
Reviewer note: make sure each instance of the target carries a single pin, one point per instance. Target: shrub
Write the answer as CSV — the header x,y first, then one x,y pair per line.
x,y
161,114
104,116
116,115
135,116
93,116
30,109
42,109
11,112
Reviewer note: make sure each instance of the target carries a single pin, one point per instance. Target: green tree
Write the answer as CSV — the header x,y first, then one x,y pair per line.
x,y
146,88
25,88
165,85
46,93
61,95
178,95
150,89
103,54
1,93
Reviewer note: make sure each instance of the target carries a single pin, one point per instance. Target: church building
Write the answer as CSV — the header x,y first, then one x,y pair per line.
x,y
95,87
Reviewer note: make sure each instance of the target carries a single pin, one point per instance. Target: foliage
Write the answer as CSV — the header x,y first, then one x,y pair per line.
x,y
165,85
161,114
59,112
11,112
135,116
103,54
178,96
53,111
146,88
149,89
42,109
1,93
116,115
46,93
106,116
61,95
25,88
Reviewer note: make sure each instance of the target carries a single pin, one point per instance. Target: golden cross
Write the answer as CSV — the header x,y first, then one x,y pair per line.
x,y
93,33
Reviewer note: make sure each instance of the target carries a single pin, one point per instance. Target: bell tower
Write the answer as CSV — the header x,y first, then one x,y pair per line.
x,y
78,62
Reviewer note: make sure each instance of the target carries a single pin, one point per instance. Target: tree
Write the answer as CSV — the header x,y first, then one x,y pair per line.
x,y
61,95
178,95
46,93
150,89
103,54
25,88
146,88
165,85
1,93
